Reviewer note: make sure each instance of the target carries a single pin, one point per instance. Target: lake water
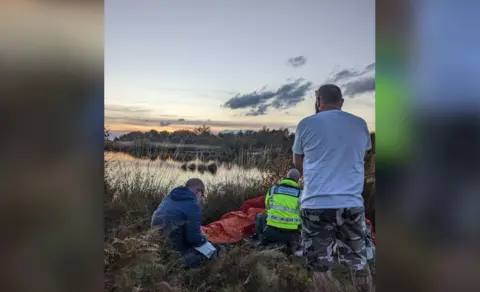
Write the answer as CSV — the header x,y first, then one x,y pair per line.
x,y
123,167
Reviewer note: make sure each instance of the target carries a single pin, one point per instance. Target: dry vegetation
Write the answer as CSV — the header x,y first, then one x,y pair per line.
x,y
139,259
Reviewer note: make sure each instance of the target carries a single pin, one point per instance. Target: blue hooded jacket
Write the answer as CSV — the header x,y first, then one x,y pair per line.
x,y
179,214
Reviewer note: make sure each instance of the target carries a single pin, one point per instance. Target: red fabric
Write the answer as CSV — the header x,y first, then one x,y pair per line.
x,y
258,202
371,229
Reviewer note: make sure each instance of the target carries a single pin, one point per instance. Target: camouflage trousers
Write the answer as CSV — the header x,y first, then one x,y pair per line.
x,y
324,230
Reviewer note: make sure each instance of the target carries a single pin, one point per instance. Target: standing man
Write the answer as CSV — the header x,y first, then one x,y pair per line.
x,y
329,150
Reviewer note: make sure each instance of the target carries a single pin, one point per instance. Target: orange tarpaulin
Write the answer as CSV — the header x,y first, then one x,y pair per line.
x,y
234,226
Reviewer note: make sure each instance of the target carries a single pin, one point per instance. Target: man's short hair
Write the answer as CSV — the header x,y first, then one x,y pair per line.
x,y
194,183
329,94
293,174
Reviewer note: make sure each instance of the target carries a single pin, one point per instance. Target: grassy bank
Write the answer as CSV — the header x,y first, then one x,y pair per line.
x,y
137,259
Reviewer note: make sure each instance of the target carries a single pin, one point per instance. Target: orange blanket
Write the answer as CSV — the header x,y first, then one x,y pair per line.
x,y
234,226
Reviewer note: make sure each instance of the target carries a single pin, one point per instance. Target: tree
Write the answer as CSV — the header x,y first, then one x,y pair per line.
x,y
183,136
203,130
264,129
276,142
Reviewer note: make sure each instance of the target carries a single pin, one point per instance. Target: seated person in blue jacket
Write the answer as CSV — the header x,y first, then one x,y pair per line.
x,y
179,215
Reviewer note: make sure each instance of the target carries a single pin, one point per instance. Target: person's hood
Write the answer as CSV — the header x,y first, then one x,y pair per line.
x,y
182,194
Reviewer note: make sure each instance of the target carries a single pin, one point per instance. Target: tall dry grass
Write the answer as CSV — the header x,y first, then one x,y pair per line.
x,y
139,259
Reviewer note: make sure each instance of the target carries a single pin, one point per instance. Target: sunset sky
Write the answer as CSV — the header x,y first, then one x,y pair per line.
x,y
234,64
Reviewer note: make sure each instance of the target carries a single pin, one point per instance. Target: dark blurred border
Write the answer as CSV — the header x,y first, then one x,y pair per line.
x,y
428,151
52,92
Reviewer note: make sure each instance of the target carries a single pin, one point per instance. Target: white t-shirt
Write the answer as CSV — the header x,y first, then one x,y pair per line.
x,y
334,144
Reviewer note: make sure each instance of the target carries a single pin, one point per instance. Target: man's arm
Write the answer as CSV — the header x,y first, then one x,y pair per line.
x,y
297,149
193,232
298,162
299,205
368,146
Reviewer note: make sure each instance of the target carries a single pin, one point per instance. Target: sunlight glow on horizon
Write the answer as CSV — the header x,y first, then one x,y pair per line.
x,y
133,128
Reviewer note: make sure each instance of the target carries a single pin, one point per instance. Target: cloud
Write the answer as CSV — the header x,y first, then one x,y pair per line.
x,y
139,121
260,110
363,85
249,100
346,74
354,82
297,62
370,67
288,95
136,115
122,109
116,110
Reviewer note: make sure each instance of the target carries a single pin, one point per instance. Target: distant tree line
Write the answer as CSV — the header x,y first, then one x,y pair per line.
x,y
266,142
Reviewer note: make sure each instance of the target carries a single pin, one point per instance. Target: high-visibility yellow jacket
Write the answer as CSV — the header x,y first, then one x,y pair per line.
x,y
282,204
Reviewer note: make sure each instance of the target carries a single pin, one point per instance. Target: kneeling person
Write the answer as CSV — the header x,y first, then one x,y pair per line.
x,y
281,222
179,216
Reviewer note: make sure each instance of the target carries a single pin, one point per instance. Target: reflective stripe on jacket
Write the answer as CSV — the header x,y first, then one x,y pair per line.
x,y
283,206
